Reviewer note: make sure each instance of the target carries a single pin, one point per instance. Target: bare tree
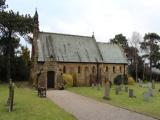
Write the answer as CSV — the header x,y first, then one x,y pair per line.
x,y
135,40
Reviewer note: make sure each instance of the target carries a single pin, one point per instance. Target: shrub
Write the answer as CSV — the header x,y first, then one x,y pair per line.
x,y
68,80
131,81
120,79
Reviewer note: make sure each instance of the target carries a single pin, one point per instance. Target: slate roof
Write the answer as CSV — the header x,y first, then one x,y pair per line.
x,y
67,48
74,48
112,53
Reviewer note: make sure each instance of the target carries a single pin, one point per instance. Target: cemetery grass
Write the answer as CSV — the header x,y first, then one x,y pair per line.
x,y
150,108
28,106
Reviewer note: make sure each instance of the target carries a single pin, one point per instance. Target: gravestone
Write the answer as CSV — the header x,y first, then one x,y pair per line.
x,y
92,85
126,88
131,93
150,92
98,86
119,87
153,84
117,90
149,85
140,82
146,96
107,90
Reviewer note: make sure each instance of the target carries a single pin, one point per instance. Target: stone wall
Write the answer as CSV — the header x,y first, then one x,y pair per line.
x,y
83,73
42,69
80,71
114,70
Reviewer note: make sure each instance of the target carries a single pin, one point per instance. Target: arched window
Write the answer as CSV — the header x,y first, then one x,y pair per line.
x,y
106,68
120,69
114,70
64,69
79,69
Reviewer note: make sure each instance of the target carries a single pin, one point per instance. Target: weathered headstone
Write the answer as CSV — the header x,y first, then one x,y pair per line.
x,y
131,93
117,90
153,84
126,88
150,92
119,87
98,86
146,96
149,85
92,85
140,82
107,90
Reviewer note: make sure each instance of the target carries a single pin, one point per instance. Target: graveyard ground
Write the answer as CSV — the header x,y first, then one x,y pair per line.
x,y
30,107
151,108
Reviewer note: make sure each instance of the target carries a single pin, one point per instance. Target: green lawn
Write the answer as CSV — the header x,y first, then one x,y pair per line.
x,y
151,108
30,107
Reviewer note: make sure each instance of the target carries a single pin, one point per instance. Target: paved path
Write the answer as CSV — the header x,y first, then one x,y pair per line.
x,y
85,108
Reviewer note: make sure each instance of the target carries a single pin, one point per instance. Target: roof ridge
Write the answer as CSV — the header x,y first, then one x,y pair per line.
x,y
65,34
108,43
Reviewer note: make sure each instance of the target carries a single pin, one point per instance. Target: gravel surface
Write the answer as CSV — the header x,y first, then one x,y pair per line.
x,y
84,108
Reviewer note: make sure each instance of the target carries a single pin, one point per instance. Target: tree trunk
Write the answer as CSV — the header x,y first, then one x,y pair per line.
x,y
136,72
143,71
150,62
9,58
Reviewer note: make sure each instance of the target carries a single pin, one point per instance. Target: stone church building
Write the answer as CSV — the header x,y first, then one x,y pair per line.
x,y
87,60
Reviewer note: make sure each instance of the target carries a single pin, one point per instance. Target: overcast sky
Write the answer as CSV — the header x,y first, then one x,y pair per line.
x,y
103,17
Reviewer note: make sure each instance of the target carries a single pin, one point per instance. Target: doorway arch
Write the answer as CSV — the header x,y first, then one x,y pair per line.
x,y
50,79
